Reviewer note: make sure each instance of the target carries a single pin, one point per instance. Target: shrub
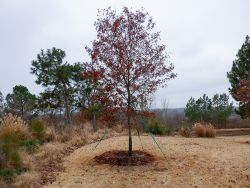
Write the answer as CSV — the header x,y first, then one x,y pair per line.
x,y
185,131
37,128
11,120
210,131
199,129
154,126
13,131
13,127
204,130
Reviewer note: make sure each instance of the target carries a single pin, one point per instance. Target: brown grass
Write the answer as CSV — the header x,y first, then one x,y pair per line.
x,y
185,131
204,130
210,131
199,129
27,179
193,162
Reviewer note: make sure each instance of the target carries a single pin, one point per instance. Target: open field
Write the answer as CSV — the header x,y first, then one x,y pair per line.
x,y
188,162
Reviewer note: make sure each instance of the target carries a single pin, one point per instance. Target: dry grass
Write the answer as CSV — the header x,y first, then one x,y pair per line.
x,y
48,152
194,162
27,160
13,125
12,120
27,179
62,141
204,130
200,129
210,131
185,131
118,128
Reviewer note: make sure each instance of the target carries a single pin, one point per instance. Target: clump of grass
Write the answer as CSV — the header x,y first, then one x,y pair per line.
x,y
210,131
199,129
185,131
204,130
13,131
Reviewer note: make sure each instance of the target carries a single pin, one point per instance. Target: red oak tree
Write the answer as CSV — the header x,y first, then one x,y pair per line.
x,y
130,59
243,95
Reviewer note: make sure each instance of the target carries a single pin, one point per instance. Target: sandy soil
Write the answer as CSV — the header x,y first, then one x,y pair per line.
x,y
188,162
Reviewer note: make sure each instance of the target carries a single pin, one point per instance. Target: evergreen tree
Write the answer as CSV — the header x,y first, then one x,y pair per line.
x,y
240,71
20,102
215,110
58,77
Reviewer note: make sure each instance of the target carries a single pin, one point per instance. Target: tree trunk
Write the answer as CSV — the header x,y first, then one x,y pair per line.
x,y
129,136
129,126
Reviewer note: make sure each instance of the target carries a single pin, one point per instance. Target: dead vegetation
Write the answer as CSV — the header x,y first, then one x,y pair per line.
x,y
204,130
44,148
188,162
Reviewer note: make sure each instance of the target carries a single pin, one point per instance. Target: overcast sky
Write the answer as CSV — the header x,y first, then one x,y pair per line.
x,y
202,38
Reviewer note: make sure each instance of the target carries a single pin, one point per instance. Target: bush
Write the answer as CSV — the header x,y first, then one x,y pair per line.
x,y
185,131
11,120
199,129
204,130
37,128
13,127
154,126
13,131
210,131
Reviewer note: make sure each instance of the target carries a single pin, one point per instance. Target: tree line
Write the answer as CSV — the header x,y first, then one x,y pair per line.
x,y
218,109
127,64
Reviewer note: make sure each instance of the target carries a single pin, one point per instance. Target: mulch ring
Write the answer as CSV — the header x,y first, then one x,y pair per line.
x,y
121,158
247,142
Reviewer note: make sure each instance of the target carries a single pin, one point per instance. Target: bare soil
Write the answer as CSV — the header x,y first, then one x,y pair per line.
x,y
187,162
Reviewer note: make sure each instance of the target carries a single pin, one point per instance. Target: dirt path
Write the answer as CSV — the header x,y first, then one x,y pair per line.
x,y
189,162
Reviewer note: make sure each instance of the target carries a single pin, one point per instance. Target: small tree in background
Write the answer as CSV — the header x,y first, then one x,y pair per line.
x,y
239,77
221,108
215,110
20,102
199,110
1,104
129,58
192,110
89,90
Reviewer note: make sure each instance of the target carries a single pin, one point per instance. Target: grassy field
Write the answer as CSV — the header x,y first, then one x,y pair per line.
x,y
188,162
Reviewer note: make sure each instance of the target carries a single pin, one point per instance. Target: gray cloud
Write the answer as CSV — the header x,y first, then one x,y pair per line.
x,y
202,38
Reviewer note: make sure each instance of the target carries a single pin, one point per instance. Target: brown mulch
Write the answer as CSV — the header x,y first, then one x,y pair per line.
x,y
121,158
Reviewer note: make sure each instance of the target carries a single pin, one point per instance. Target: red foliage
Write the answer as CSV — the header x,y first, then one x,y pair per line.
x,y
243,95
126,53
147,114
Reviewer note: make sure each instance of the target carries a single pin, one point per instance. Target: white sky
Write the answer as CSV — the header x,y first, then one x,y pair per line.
x,y
202,38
